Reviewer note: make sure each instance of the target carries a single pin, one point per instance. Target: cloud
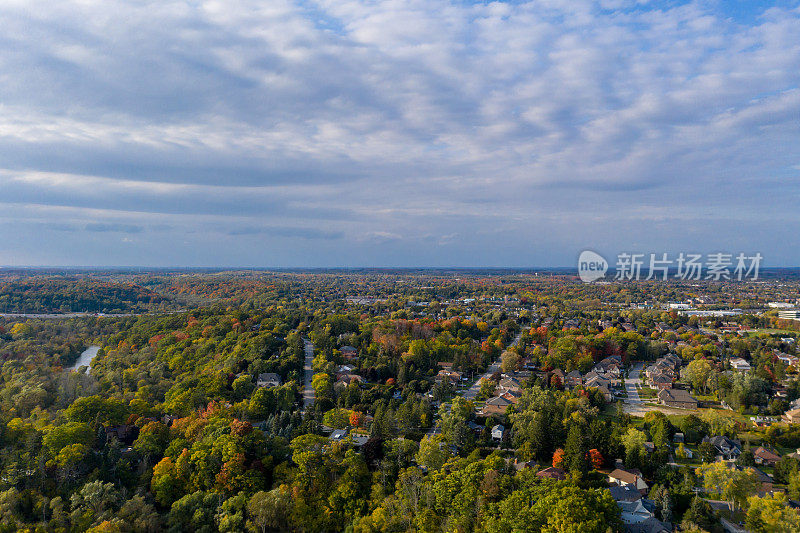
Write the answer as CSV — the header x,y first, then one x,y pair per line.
x,y
114,228
288,232
395,124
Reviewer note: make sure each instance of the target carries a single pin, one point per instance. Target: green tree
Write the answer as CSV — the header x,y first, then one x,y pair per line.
x,y
94,503
510,361
575,451
633,441
152,440
433,452
732,484
697,373
454,423
194,512
270,510
772,514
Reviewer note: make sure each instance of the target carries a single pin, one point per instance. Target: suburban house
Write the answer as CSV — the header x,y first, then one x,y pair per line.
x,y
497,432
792,416
348,352
661,381
765,457
605,392
509,384
677,398
552,473
338,435
688,454
359,439
347,378
450,376
610,365
573,379
624,493
495,406
622,477
268,379
766,481
727,449
512,396
125,433
636,512
663,372
593,379
740,364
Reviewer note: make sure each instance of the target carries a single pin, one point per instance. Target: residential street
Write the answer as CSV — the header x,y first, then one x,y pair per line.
x,y
630,384
633,404
308,375
472,392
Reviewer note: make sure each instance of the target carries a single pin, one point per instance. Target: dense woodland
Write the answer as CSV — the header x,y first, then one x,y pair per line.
x,y
169,429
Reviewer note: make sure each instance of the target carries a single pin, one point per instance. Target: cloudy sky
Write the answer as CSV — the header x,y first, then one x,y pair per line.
x,y
396,133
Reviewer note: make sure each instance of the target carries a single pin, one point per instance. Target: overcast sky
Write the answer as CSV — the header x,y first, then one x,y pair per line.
x,y
396,133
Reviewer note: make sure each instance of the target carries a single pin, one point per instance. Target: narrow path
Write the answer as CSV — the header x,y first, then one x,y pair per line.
x,y
308,375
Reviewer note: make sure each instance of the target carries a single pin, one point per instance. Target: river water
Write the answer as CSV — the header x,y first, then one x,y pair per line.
x,y
85,358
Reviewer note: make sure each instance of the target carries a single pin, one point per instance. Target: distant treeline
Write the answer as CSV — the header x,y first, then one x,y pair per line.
x,y
65,295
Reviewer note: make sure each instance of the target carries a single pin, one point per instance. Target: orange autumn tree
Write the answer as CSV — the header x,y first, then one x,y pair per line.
x,y
596,458
356,419
558,458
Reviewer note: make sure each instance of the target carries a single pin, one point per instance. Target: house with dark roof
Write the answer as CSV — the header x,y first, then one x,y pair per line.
x,y
495,406
511,384
573,379
661,381
605,392
609,365
552,473
651,525
625,493
727,449
677,398
348,352
338,434
359,439
637,513
268,379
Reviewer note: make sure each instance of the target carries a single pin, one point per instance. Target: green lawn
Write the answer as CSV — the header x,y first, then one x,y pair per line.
x,y
772,331
646,392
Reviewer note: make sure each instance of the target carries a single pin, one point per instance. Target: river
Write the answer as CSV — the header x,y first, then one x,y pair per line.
x,y
85,359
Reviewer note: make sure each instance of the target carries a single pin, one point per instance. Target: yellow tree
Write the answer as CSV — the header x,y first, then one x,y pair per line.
x,y
772,514
732,484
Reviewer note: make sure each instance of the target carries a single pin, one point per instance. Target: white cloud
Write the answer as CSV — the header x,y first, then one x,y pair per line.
x,y
453,113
